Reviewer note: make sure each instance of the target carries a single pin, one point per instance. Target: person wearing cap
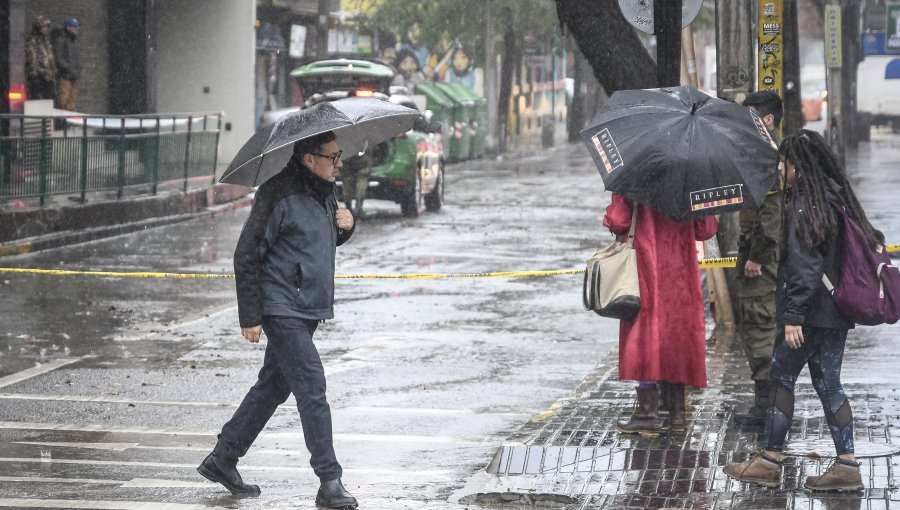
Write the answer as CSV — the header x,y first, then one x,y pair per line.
x,y
68,63
40,65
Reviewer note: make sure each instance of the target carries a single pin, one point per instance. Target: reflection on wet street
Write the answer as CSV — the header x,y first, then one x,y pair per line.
x,y
446,394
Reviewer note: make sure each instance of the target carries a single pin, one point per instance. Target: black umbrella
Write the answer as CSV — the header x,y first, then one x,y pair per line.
x,y
357,122
682,152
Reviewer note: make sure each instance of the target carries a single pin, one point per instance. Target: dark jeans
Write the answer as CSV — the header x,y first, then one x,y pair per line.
x,y
823,350
292,365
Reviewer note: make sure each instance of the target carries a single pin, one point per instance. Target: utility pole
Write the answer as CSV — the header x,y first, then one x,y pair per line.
x,y
833,64
793,108
735,68
490,77
322,28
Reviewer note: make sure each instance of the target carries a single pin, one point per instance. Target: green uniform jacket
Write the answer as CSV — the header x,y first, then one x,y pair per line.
x,y
760,233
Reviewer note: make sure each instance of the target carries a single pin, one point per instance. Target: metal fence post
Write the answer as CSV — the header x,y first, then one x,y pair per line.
x,y
187,151
120,174
42,163
216,146
84,159
156,157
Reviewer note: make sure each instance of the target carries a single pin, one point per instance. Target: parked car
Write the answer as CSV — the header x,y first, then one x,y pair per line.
x,y
813,94
408,169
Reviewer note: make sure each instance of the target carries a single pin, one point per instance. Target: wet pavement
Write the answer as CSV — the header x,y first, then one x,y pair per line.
x,y
442,390
571,455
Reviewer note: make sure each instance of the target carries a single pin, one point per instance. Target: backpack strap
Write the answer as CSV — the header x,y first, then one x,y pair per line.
x,y
827,283
630,239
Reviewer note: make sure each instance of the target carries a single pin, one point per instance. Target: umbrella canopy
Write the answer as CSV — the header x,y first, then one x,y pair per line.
x,y
682,152
357,122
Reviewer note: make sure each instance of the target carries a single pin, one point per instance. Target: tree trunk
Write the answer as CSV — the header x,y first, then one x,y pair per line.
x,y
609,43
511,55
576,117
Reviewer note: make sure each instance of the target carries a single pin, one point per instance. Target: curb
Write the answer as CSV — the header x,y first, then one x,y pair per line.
x,y
70,237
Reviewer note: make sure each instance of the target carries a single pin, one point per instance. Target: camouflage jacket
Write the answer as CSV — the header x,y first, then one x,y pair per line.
x,y
39,61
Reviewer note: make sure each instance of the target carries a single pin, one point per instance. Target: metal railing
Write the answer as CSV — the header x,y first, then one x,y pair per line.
x,y
42,156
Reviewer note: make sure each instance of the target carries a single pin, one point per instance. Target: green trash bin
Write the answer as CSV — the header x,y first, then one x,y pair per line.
x,y
477,121
462,107
442,109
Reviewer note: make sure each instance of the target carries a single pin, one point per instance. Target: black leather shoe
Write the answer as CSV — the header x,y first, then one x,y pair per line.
x,y
225,473
332,494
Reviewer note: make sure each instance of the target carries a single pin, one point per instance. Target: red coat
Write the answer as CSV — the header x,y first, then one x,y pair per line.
x,y
667,339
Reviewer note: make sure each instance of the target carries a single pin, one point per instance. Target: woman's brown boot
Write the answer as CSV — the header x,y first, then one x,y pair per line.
x,y
842,475
645,419
760,469
676,407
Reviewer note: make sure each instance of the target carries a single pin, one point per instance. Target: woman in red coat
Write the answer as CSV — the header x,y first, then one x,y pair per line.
x,y
667,339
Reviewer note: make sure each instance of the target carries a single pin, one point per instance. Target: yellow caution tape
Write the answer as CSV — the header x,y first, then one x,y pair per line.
x,y
704,264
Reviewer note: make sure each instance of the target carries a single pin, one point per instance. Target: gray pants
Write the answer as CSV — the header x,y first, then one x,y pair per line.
x,y
292,365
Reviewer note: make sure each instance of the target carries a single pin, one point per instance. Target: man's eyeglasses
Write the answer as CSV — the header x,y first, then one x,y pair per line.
x,y
333,157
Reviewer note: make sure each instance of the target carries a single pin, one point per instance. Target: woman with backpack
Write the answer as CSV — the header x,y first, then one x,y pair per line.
x,y
810,329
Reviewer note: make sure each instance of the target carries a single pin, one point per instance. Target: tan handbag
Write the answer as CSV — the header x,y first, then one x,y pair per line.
x,y
611,286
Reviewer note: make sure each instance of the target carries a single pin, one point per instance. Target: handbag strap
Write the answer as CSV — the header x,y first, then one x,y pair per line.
x,y
630,239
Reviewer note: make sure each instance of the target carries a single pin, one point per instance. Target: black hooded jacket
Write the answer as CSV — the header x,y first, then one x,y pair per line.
x,y
284,260
801,298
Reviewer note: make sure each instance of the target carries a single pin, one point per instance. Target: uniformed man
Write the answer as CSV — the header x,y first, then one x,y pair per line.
x,y
757,265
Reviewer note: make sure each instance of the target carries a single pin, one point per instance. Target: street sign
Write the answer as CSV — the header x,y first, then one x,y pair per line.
x,y
640,13
892,37
770,32
833,36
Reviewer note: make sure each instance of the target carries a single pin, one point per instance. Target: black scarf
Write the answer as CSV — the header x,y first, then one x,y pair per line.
x,y
321,189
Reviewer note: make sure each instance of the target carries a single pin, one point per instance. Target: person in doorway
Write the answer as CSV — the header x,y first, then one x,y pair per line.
x,y
757,265
355,182
667,340
40,65
284,269
810,331
68,63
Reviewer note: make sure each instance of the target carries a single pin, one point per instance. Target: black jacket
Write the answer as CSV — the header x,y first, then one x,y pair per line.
x,y
284,260
801,298
66,54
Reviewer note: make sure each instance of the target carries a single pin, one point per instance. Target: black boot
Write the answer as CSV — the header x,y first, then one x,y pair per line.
x,y
645,419
756,415
218,469
332,494
677,418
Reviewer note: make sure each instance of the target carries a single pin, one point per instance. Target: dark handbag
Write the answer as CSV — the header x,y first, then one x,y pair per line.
x,y
869,290
611,287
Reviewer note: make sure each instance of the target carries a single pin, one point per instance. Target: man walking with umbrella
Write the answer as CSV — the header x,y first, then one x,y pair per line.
x,y
284,267
757,266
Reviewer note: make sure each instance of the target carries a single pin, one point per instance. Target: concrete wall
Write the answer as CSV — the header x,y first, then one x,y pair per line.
x,y
206,50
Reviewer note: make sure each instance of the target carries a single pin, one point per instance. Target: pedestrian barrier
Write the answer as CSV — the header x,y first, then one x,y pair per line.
x,y
42,156
704,264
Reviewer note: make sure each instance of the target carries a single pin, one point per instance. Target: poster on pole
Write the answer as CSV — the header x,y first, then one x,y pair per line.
x,y
833,36
892,35
771,45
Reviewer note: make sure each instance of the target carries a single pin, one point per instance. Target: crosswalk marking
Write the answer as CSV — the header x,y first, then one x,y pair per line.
x,y
109,399
418,473
43,368
296,434
95,505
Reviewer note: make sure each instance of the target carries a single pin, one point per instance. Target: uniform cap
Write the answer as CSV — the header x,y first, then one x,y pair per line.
x,y
72,22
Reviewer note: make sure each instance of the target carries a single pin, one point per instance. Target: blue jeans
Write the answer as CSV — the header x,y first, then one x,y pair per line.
x,y
292,365
823,350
